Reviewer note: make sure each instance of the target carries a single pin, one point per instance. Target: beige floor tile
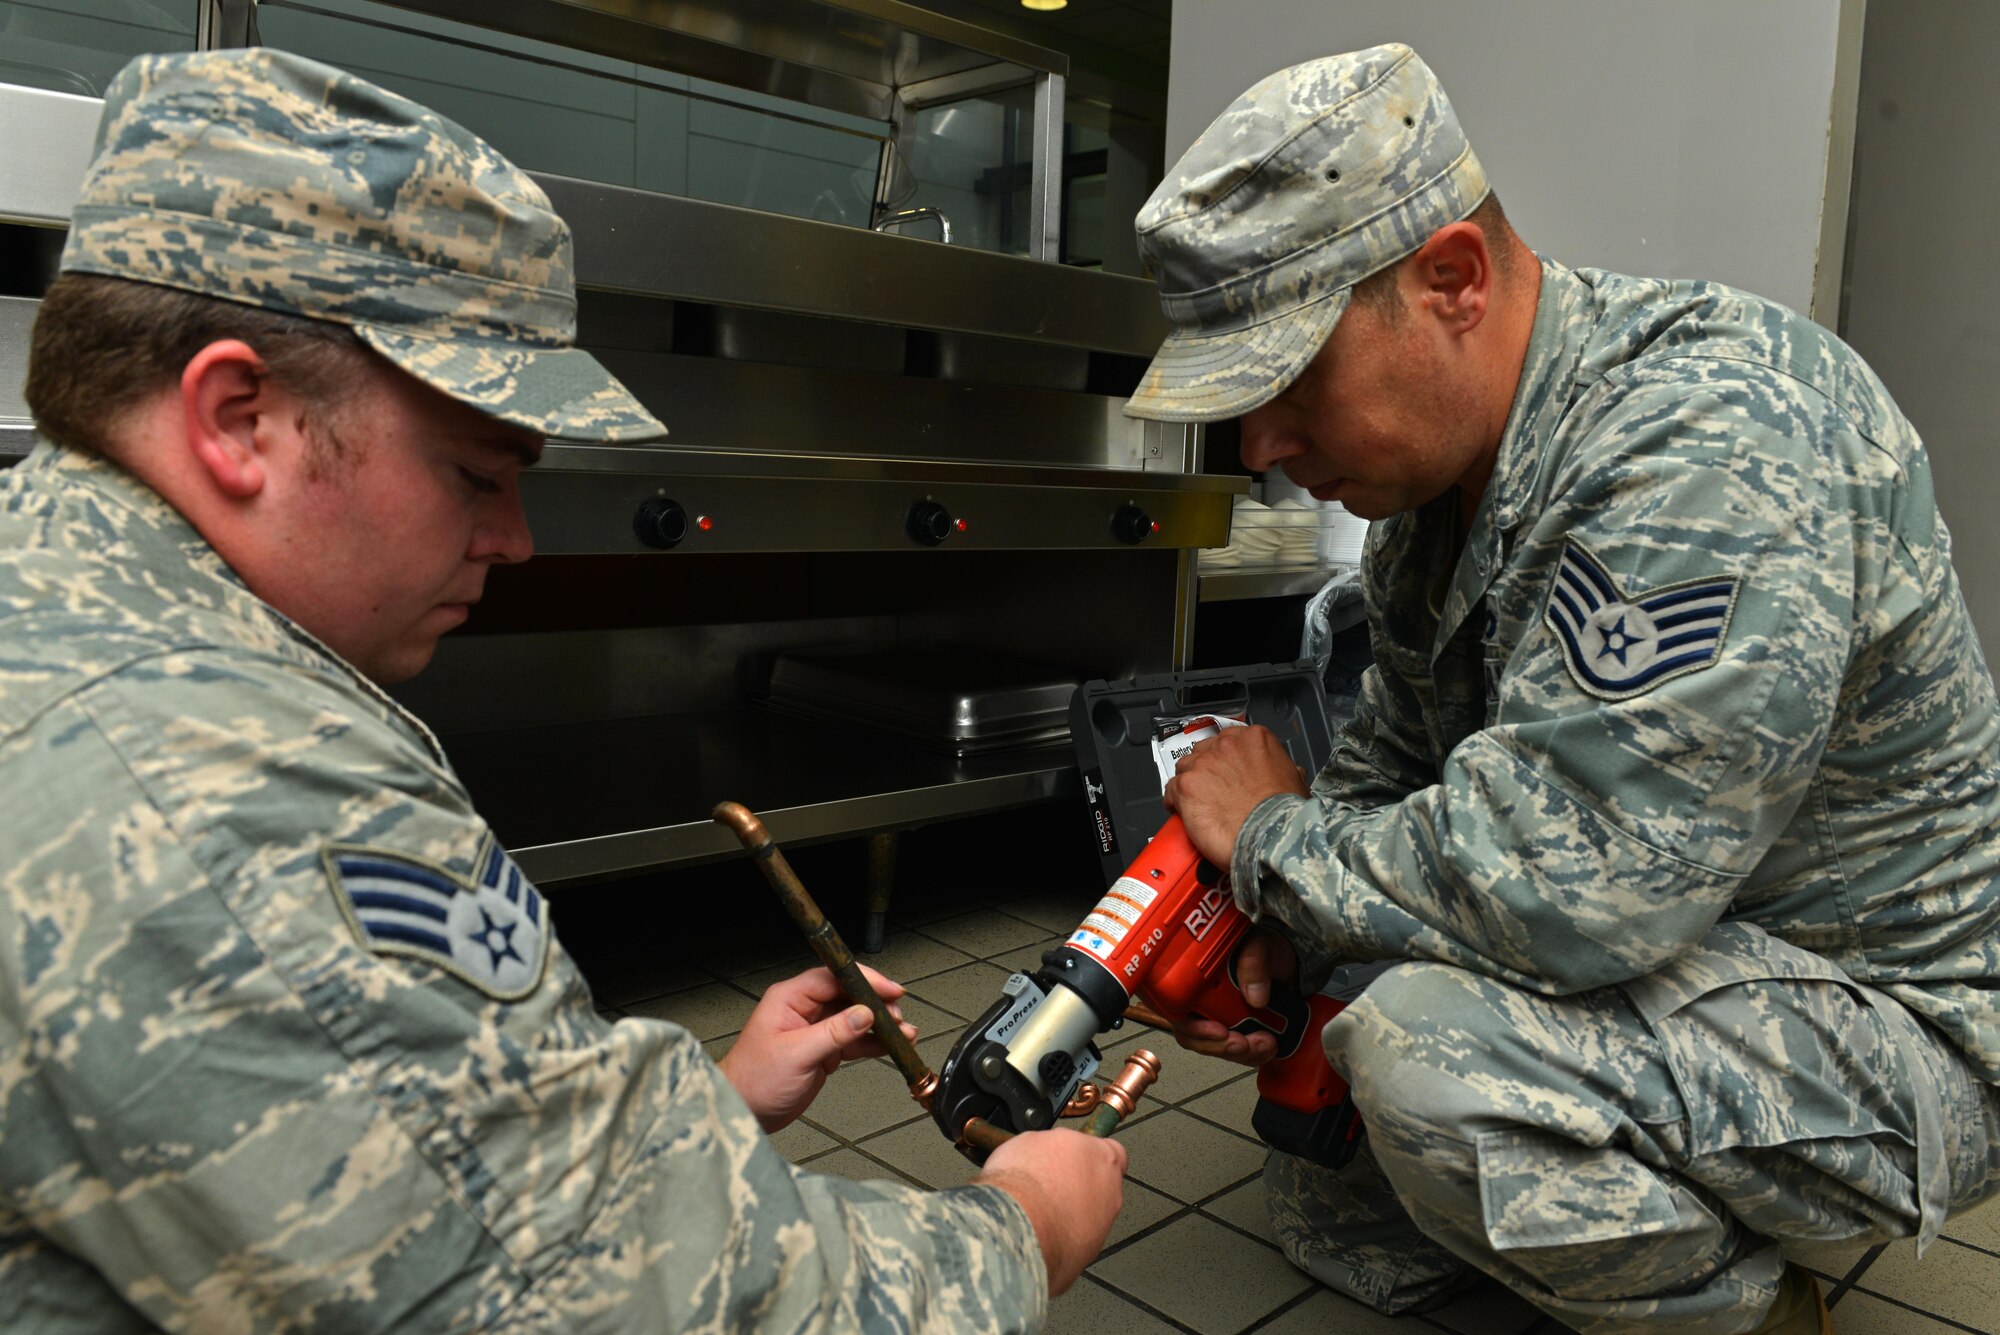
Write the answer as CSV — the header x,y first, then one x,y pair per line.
x,y
1487,1308
862,1098
1952,1281
760,979
1229,1106
934,1048
706,1012
1053,910
772,949
1142,1209
1330,1313
921,1151
1187,1158
1979,1226
1245,1207
985,932
1203,1275
909,956
1859,1314
1028,958
965,991
717,1048
801,1141
853,1166
615,980
1831,1260
1091,1309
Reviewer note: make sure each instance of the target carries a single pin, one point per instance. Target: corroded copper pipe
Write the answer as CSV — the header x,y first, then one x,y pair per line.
x,y
826,944
1116,1100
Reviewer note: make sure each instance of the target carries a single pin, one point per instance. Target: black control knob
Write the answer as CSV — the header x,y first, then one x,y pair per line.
x,y
928,523
660,523
1131,524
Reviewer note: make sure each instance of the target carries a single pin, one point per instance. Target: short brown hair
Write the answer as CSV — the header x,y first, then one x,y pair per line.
x,y
1378,290
102,346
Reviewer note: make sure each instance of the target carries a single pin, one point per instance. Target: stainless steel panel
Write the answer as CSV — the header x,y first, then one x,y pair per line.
x,y
17,319
1045,172
1011,361
844,55
738,504
43,152
743,334
963,701
634,241
596,799
712,403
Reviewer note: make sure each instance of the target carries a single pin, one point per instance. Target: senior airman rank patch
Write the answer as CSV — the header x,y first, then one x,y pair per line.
x,y
492,930
1619,646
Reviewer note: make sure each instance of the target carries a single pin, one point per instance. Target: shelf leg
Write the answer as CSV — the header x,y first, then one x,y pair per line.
x,y
881,881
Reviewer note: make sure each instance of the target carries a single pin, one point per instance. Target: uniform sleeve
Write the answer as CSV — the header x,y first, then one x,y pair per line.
x,y
264,1104
1608,817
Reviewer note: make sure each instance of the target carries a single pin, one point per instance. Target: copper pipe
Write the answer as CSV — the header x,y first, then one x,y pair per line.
x,y
1085,1100
1147,1016
982,1137
826,944
1117,1100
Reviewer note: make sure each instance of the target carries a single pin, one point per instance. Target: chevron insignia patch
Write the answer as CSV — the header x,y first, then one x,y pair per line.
x,y
1619,646
492,931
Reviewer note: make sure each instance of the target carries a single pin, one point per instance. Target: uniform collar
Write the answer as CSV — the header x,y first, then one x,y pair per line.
x,y
161,540
1563,321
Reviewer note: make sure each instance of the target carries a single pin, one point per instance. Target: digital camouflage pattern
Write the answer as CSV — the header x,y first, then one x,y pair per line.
x,y
1725,933
265,178
1316,178
221,1112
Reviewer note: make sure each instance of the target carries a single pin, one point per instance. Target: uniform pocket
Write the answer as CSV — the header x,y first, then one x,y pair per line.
x,y
1772,1045
1537,1189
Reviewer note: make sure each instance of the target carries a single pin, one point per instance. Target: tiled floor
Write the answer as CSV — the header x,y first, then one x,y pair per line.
x,y
698,948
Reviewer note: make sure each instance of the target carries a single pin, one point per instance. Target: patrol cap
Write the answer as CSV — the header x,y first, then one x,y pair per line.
x,y
1319,176
261,177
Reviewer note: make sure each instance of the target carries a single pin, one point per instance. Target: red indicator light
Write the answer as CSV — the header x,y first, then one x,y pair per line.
x,y
960,525
1156,526
704,523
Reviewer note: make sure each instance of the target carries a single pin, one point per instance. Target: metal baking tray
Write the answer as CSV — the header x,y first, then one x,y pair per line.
x,y
952,699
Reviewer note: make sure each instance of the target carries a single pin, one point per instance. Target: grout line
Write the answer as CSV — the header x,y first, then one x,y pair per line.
x,y
1315,1288
1854,1273
1933,1316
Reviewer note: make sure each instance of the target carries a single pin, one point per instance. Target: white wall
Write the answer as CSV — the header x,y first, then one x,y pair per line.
x,y
1685,139
1926,233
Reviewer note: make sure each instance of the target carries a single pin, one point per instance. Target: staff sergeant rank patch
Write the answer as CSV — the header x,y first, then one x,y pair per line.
x,y
1619,646
492,931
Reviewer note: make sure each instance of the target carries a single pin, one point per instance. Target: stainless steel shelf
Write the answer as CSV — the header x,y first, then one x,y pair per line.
x,y
580,801
1234,582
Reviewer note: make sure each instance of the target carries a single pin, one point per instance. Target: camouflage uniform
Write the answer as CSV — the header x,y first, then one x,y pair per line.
x,y
286,1041
1677,787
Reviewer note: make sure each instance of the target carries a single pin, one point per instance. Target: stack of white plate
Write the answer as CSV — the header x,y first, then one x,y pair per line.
x,y
1340,535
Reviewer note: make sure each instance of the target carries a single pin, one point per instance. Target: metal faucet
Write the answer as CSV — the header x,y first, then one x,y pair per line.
x,y
901,216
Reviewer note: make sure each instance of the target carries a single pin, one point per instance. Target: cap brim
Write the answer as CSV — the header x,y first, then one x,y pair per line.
x,y
1212,377
560,392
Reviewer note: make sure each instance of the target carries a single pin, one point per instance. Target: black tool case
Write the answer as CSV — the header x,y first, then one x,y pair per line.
x,y
1113,723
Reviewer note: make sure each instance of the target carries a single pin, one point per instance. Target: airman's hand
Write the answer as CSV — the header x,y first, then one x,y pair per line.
x,y
1071,1185
1221,781
1264,957
800,1033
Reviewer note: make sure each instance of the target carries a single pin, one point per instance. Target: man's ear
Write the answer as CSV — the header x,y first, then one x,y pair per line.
x,y
1454,271
227,410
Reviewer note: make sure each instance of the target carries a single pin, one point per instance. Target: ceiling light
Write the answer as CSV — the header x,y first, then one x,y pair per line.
x,y
1043,4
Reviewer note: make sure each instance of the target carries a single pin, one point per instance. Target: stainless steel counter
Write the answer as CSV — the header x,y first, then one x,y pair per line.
x,y
618,795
